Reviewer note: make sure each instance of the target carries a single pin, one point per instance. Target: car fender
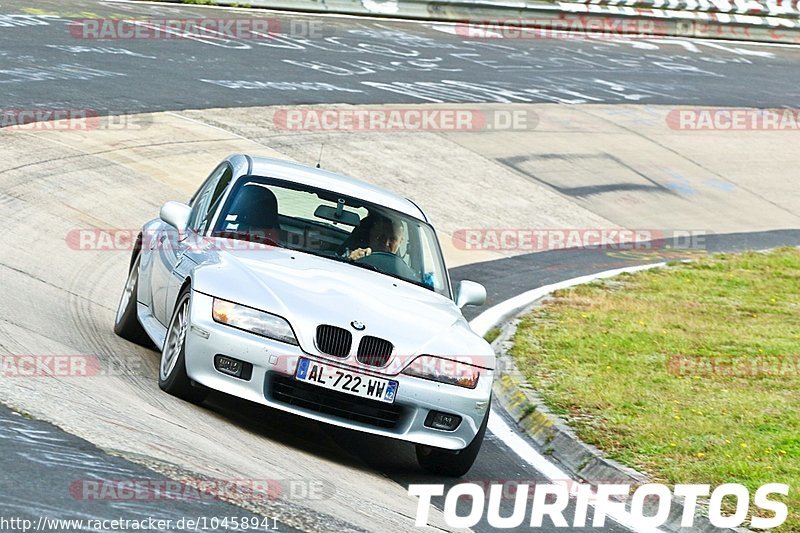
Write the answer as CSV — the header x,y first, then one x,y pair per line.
x,y
149,230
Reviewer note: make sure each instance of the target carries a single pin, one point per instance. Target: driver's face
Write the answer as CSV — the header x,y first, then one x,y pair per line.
x,y
386,237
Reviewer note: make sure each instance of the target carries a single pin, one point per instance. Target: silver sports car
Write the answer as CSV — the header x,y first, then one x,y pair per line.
x,y
316,294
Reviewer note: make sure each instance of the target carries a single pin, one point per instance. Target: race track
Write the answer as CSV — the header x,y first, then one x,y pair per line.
x,y
200,101
351,60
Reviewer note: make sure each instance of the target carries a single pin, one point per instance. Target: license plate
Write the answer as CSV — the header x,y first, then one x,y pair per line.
x,y
335,378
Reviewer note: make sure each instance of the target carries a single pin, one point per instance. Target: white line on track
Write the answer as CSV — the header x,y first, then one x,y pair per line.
x,y
528,453
504,310
498,427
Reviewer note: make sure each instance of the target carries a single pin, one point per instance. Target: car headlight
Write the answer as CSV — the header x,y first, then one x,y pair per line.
x,y
253,320
444,371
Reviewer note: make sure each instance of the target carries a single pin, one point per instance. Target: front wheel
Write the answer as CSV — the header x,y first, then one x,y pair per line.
x,y
172,377
452,463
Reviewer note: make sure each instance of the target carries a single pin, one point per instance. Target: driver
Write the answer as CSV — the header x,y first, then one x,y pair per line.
x,y
385,235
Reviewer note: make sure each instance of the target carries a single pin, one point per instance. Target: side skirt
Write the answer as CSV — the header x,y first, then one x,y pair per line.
x,y
155,330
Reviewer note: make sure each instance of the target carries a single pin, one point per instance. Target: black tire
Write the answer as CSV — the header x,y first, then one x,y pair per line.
x,y
172,377
451,463
126,323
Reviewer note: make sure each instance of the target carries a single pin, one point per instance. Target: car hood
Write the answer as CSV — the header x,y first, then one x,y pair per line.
x,y
308,291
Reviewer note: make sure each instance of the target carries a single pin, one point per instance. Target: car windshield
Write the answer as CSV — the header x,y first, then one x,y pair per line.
x,y
334,226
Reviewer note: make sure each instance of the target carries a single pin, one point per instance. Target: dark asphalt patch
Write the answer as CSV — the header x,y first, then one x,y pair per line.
x,y
47,475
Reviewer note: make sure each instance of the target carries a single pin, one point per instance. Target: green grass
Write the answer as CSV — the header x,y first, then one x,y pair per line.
x,y
600,356
492,334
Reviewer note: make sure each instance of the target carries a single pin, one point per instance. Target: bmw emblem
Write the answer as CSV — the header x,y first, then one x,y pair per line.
x,y
358,326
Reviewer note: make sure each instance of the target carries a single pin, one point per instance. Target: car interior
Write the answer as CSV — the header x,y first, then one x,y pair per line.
x,y
325,225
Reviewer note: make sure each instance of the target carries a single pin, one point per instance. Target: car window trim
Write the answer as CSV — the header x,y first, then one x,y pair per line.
x,y
207,219
205,189
223,199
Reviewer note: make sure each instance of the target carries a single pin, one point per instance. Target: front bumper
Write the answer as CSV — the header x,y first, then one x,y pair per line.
x,y
274,364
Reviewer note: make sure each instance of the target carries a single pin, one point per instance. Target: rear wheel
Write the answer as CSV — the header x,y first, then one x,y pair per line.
x,y
452,463
126,323
172,377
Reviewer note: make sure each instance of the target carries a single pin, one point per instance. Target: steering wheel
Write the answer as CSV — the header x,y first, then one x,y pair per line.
x,y
389,263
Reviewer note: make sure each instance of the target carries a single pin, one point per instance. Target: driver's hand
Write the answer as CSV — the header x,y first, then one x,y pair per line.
x,y
359,253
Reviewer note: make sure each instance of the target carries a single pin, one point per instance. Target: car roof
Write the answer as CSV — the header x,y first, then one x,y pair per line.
x,y
323,179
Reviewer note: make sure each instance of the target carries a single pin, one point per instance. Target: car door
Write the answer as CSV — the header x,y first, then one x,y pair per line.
x,y
172,264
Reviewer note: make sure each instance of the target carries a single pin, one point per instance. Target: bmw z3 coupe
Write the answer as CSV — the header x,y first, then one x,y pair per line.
x,y
316,294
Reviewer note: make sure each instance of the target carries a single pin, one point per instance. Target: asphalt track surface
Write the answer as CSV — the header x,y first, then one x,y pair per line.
x,y
364,61
61,463
359,61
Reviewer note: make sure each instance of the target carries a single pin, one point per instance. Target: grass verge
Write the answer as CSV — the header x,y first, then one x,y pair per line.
x,y
492,334
690,373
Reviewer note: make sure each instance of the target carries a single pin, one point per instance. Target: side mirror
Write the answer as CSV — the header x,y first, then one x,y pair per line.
x,y
470,293
176,215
